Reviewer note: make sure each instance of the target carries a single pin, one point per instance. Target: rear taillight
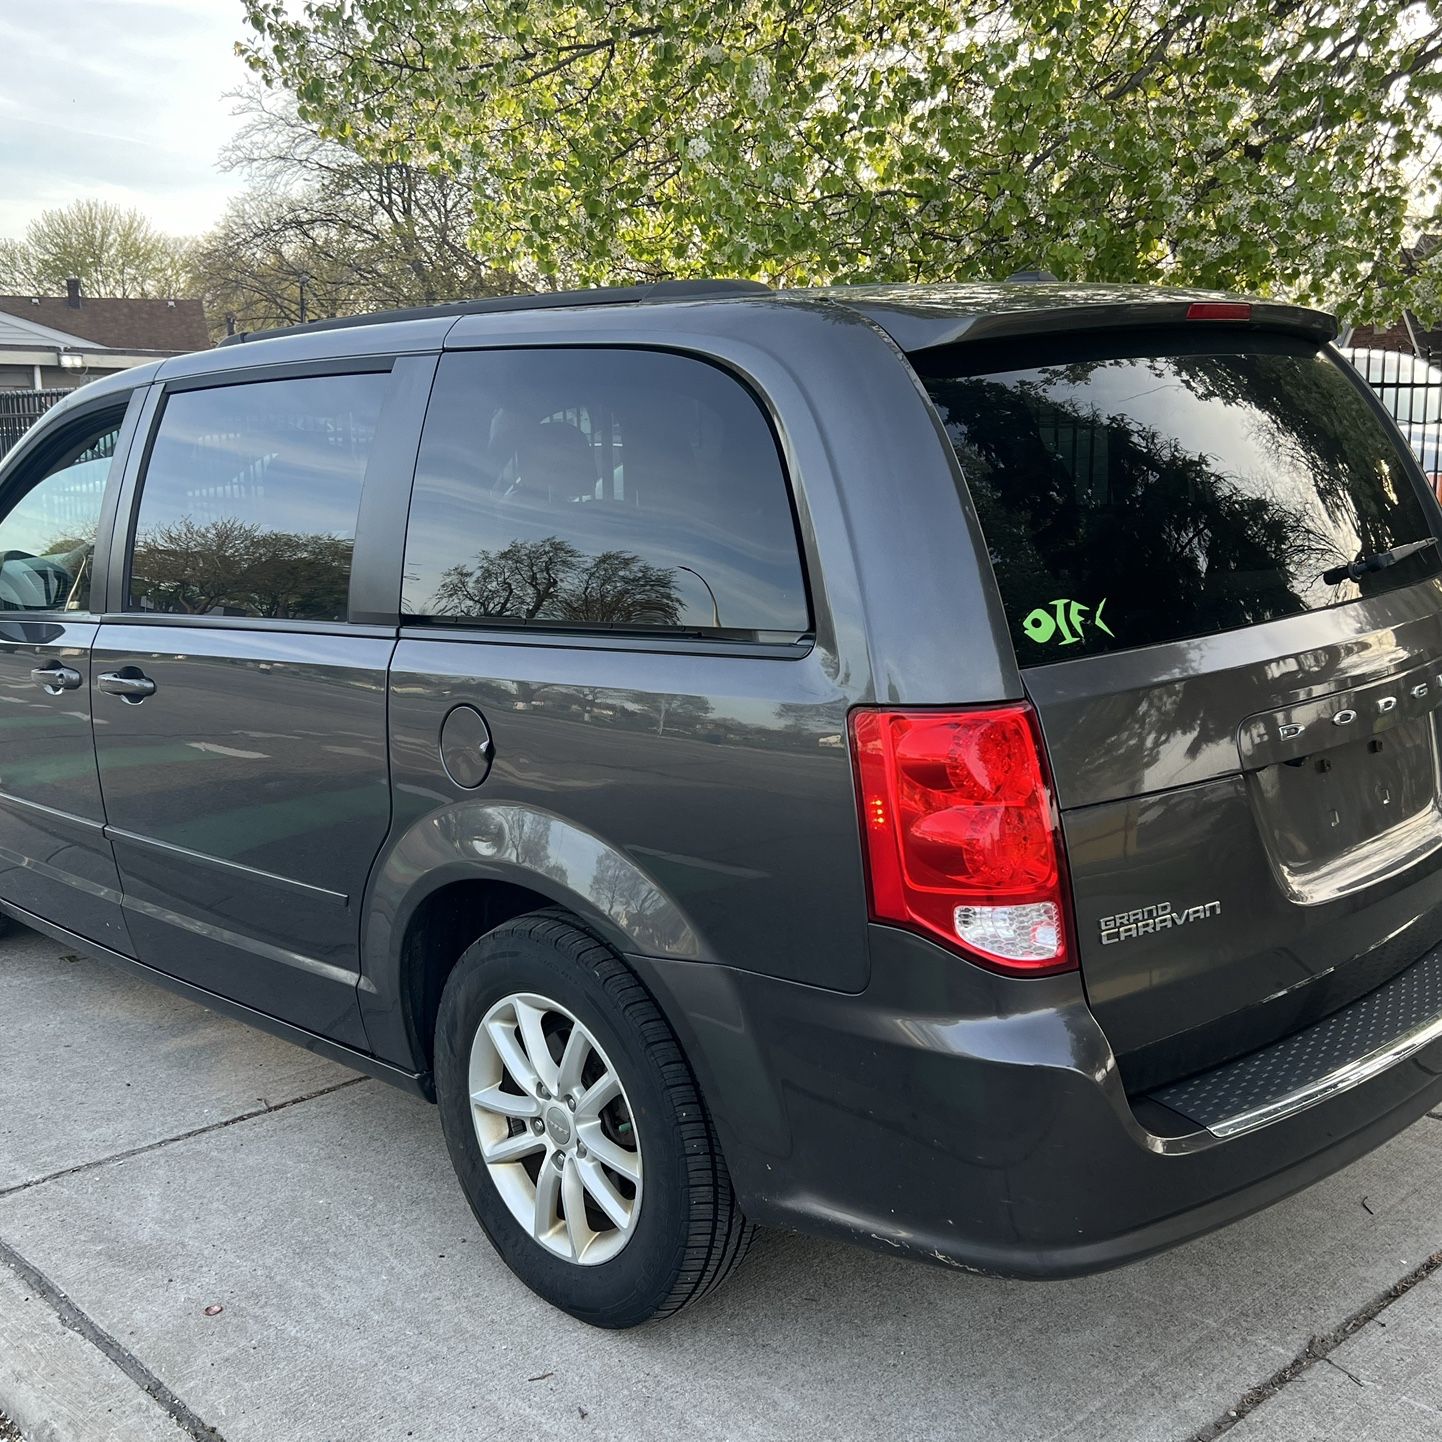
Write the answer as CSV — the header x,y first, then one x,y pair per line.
x,y
961,833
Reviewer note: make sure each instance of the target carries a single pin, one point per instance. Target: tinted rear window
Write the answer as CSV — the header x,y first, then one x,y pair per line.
x,y
600,489
1134,496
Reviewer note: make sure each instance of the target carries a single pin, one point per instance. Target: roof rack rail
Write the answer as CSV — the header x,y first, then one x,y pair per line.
x,y
541,300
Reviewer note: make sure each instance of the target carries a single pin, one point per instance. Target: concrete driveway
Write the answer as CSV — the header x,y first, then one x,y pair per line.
x,y
158,1163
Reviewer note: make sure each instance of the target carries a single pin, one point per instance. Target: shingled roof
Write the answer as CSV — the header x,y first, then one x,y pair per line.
x,y
123,325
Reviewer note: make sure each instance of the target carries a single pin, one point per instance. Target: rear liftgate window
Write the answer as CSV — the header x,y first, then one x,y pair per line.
x,y
1137,493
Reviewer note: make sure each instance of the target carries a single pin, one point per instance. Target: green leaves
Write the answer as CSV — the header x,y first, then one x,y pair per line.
x,y
1197,141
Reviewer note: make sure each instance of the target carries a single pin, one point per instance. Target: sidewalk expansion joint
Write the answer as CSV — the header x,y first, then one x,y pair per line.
x,y
1317,1350
261,1111
71,1317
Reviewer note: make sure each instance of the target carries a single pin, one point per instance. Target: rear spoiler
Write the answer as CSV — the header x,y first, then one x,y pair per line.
x,y
922,328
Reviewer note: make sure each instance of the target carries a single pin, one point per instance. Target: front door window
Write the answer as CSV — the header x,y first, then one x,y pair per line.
x,y
47,529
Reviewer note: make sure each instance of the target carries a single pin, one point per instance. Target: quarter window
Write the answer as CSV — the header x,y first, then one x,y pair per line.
x,y
601,489
249,502
47,535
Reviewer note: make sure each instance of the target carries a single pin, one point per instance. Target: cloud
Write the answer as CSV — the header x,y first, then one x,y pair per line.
x,y
120,99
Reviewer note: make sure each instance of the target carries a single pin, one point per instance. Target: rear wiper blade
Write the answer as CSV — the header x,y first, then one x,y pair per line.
x,y
1377,561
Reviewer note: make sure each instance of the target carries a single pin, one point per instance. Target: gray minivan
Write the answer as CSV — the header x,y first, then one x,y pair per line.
x,y
953,767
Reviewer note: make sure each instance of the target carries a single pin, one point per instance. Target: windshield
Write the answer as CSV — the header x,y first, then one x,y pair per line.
x,y
1133,496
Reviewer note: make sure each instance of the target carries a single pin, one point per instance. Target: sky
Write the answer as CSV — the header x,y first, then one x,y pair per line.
x,y
123,100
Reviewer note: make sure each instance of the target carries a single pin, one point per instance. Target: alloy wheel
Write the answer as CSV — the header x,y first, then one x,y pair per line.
x,y
555,1128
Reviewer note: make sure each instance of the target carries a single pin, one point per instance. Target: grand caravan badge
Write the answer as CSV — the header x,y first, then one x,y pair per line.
x,y
1147,920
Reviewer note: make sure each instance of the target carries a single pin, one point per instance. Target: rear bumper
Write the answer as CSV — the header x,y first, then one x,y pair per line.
x,y
980,1122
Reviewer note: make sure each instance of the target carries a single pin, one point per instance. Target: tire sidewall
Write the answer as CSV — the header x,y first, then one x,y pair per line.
x,y
633,1284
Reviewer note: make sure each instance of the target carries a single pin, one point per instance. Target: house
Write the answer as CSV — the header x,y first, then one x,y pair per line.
x,y
1407,333
60,342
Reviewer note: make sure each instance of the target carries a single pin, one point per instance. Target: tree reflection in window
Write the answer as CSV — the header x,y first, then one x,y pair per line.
x,y
1187,493
229,567
602,488
552,580
250,498
1168,528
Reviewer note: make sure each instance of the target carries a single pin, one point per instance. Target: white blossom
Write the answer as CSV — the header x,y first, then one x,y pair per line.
x,y
759,83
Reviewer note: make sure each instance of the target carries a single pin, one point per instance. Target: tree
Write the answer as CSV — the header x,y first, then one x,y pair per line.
x,y
228,565
352,234
262,267
15,271
112,251
552,580
1270,144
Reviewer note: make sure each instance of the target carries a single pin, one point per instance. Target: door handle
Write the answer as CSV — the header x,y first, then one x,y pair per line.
x,y
132,687
56,679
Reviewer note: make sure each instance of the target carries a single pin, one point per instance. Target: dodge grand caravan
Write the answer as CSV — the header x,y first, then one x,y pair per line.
x,y
954,768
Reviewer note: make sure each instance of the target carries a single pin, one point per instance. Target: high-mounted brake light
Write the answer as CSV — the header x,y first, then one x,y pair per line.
x,y
961,835
1219,310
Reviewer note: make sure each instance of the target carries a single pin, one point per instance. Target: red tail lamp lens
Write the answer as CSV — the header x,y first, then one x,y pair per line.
x,y
960,834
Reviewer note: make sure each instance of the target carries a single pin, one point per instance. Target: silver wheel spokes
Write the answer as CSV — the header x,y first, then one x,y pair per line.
x,y
555,1128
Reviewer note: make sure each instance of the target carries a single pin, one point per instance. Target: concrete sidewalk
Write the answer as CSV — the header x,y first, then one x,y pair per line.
x,y
157,1161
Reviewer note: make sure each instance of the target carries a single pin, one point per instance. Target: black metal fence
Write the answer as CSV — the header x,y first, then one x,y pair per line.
x,y
19,410
1411,389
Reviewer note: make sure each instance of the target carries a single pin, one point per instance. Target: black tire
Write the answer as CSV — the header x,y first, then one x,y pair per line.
x,y
689,1232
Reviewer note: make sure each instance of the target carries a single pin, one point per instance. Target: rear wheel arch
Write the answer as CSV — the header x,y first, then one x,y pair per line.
x,y
453,875
452,917
443,925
